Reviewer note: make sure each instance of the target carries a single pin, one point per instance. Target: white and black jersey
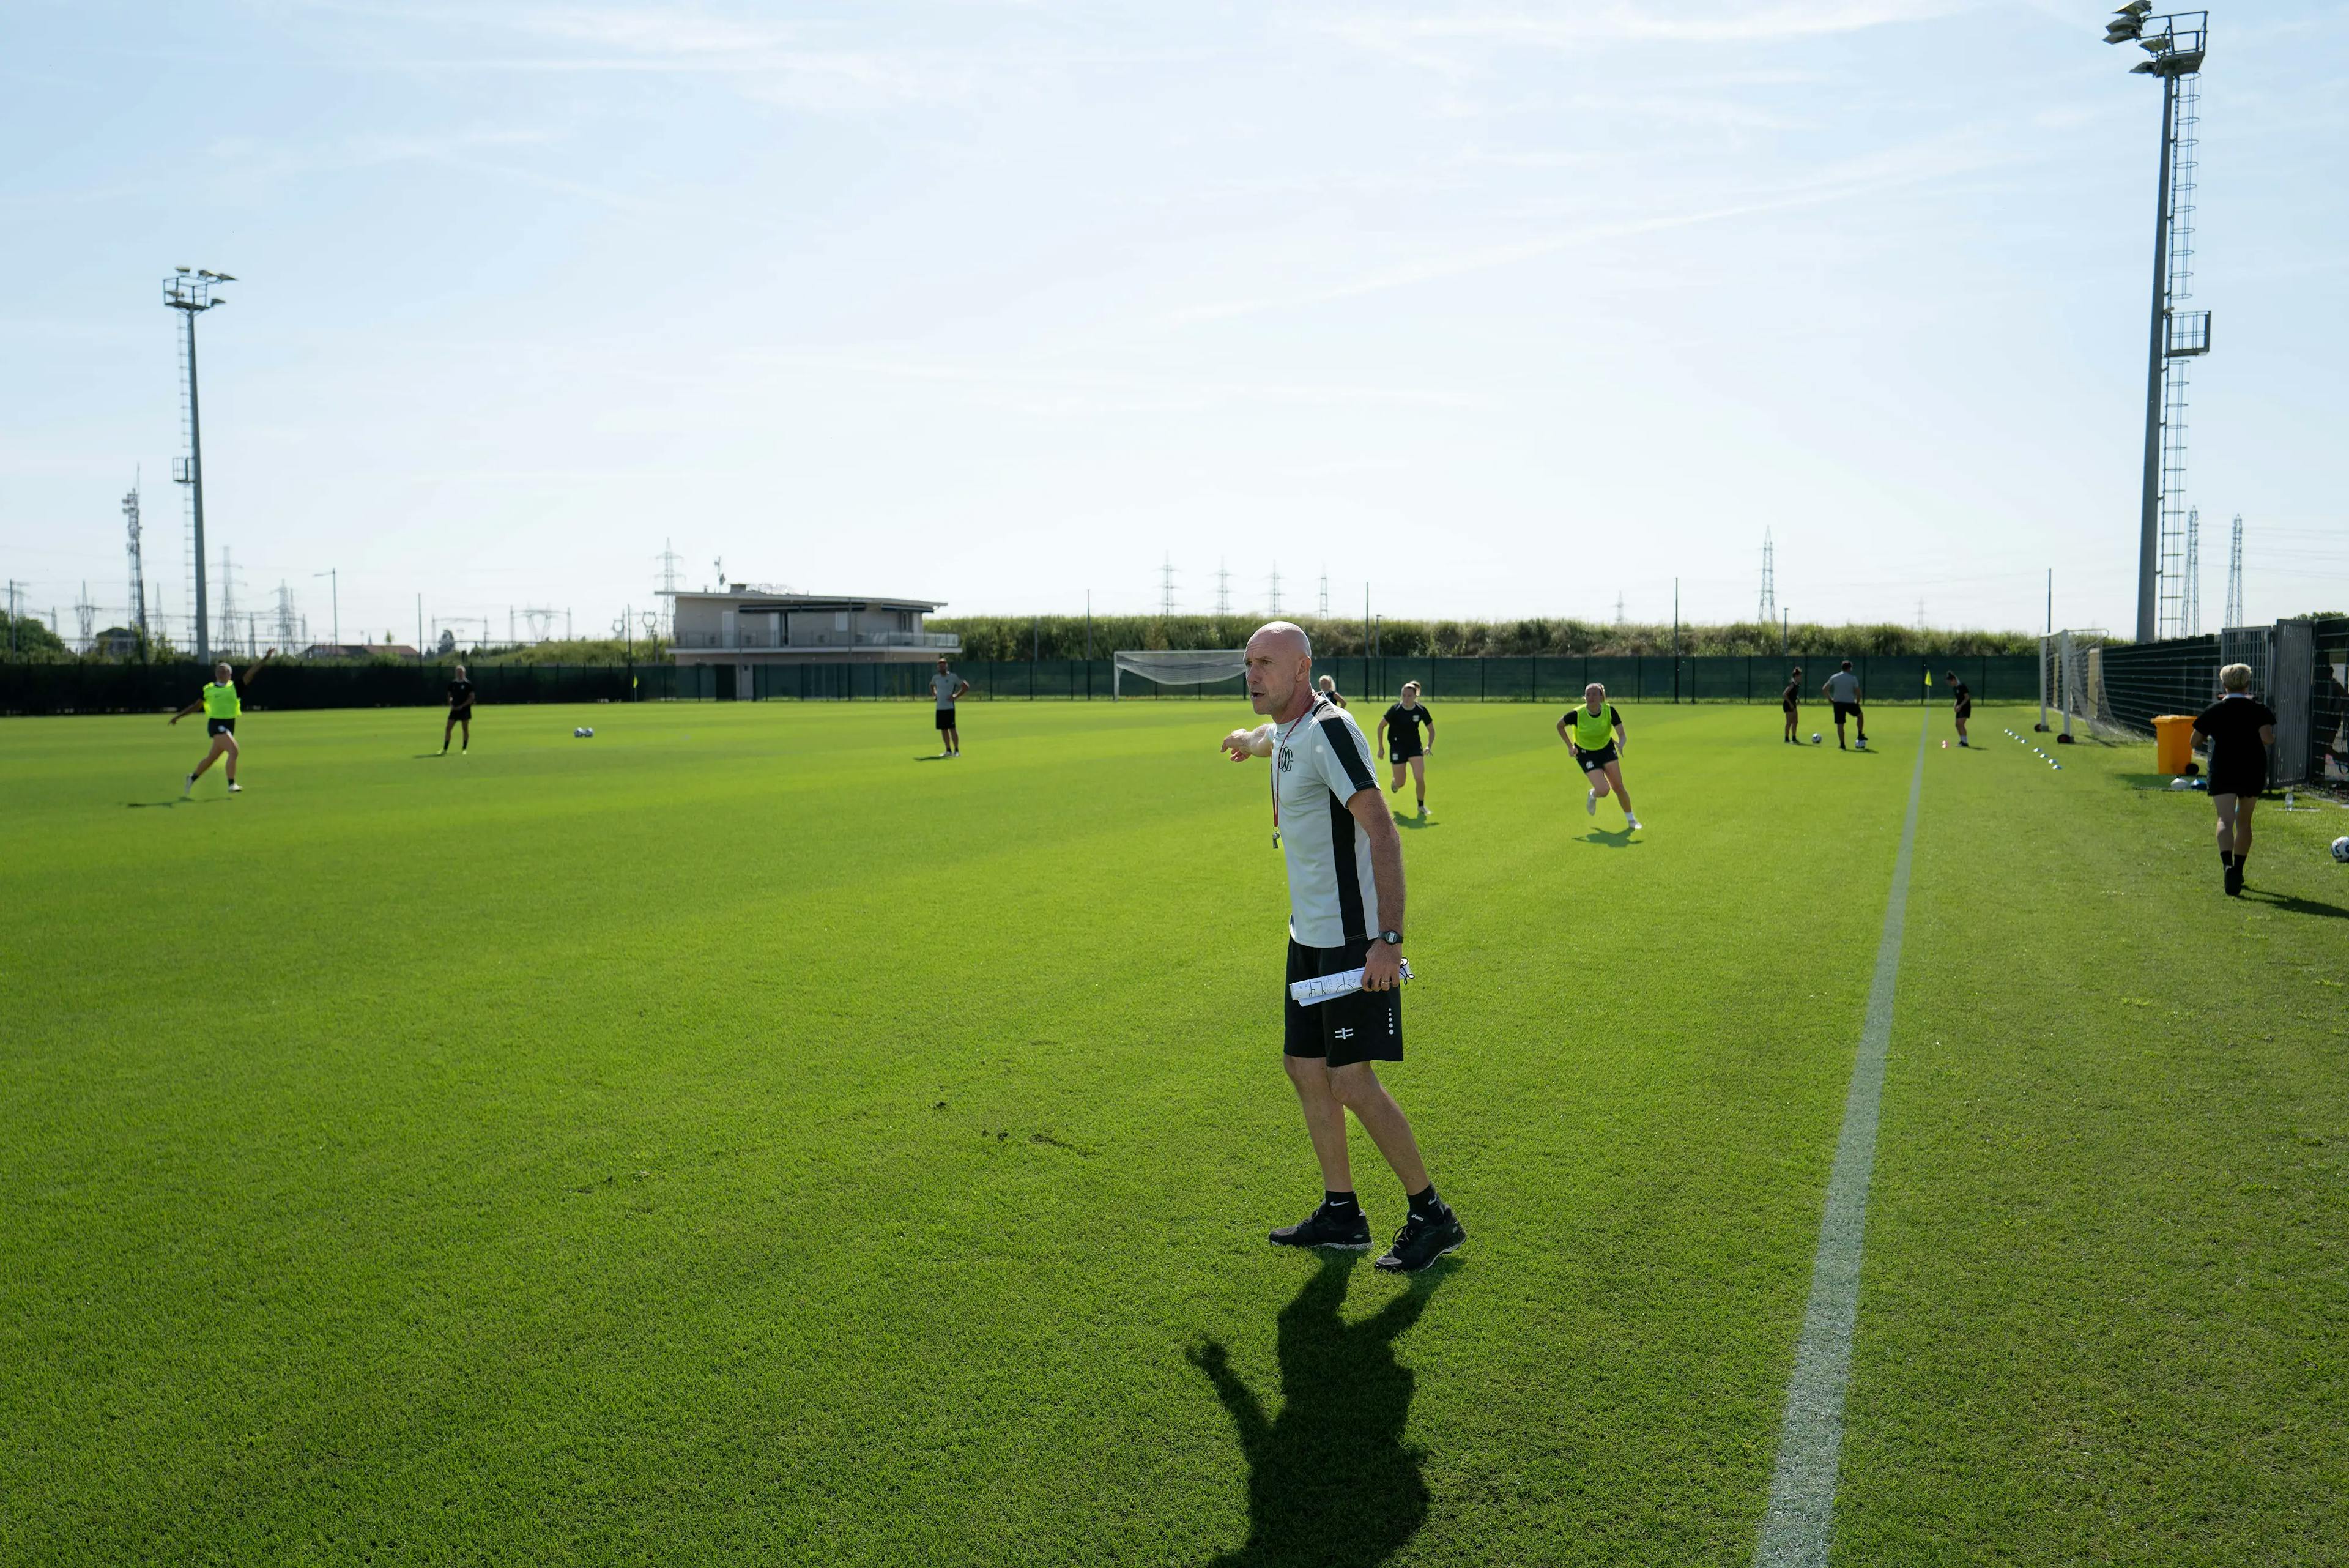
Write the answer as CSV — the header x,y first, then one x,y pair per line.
x,y
1319,763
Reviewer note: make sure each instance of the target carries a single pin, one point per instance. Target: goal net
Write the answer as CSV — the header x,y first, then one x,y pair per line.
x,y
2072,686
1178,667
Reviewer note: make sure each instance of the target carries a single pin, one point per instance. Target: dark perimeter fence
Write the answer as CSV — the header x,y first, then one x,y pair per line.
x,y
2298,668
158,688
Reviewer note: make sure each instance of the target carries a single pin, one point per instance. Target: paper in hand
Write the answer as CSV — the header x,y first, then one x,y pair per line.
x,y
1320,988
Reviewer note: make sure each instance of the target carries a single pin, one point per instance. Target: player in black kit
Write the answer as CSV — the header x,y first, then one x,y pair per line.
x,y
1399,729
460,712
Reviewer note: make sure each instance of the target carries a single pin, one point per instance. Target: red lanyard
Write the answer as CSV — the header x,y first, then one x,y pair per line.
x,y
1280,744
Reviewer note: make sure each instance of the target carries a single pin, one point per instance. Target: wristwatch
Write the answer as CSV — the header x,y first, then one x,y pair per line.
x,y
1392,938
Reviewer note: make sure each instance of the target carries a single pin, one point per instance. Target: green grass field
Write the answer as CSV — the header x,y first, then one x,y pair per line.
x,y
734,1139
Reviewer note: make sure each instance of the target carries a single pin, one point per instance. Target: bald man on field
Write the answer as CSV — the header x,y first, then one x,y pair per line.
x,y
1345,912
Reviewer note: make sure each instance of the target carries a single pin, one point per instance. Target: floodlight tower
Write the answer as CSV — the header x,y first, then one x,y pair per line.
x,y
2175,45
1767,611
189,292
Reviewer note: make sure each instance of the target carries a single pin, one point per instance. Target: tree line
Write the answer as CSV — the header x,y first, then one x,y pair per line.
x,y
1015,638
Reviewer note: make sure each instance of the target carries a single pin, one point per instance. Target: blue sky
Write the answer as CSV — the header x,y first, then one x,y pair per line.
x,y
1501,309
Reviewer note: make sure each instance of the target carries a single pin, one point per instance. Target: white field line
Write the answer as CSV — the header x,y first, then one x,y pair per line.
x,y
1795,1531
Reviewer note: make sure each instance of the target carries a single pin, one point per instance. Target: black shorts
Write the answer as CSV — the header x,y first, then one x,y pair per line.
x,y
220,726
1593,760
1403,754
1364,1027
1848,711
1963,711
2239,780
946,719
461,715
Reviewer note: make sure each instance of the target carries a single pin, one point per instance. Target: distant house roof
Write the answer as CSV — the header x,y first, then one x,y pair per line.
x,y
756,599
357,650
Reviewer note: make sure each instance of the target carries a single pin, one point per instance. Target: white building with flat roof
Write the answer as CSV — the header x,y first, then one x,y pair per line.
x,y
748,626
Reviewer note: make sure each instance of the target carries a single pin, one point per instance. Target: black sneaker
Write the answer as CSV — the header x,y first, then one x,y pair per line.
x,y
2234,881
1324,1229
1421,1241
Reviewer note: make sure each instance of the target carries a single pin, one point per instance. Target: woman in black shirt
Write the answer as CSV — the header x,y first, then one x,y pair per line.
x,y
1399,730
2240,728
1790,703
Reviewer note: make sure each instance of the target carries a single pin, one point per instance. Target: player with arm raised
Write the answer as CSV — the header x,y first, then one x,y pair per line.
x,y
1593,730
1399,729
1345,912
222,700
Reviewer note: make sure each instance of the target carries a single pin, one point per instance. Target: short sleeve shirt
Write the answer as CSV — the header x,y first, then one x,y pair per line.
x,y
943,688
1792,696
1402,724
460,694
1959,695
2234,725
1843,686
1319,763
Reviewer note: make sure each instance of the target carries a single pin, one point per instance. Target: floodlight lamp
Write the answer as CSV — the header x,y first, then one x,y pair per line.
x,y
2120,32
2137,8
179,269
223,277
2143,68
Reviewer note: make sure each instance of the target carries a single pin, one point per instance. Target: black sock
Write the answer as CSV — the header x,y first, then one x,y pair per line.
x,y
2226,858
1426,1205
1338,1203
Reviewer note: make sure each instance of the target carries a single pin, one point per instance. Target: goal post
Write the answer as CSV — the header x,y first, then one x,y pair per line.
x,y
2071,682
1176,667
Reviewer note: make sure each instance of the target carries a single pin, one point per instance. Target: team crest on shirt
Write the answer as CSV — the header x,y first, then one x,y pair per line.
x,y
1286,759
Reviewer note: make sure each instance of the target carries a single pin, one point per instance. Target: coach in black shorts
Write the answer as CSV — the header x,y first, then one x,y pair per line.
x,y
1346,912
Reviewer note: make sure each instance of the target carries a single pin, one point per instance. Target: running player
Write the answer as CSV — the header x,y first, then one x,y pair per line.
x,y
945,686
1791,700
460,711
1329,689
2240,728
1842,689
222,700
1961,704
1586,730
1398,734
1345,912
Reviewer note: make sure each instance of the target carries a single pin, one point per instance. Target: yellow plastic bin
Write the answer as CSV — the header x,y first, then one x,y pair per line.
x,y
2173,742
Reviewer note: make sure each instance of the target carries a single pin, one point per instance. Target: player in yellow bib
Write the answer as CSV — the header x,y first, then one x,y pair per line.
x,y
222,700
1593,732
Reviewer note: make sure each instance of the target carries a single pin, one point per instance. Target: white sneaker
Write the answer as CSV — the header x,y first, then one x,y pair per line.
x,y
1629,821
187,788
1591,804
235,787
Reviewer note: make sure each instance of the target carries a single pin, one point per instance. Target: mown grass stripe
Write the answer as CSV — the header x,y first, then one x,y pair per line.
x,y
1801,1518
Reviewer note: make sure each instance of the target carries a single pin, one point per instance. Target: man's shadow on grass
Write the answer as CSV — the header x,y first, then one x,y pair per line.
x,y
1413,823
1331,1479
1616,838
2290,905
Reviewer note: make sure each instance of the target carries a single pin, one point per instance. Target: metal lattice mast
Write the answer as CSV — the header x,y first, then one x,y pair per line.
x,y
668,560
2235,574
1325,592
1167,586
2189,614
1274,595
138,567
1768,610
1223,590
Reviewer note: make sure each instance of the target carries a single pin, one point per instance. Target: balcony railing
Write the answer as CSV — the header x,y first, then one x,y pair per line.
x,y
805,640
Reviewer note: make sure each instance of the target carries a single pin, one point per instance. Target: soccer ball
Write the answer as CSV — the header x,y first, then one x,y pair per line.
x,y
2341,850
589,732
1815,737
577,734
